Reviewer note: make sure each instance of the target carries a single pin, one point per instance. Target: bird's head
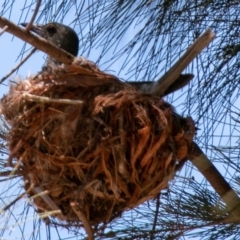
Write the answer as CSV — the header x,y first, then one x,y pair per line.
x,y
58,34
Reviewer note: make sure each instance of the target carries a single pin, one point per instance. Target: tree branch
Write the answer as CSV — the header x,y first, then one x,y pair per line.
x,y
38,42
18,65
160,86
84,220
214,177
34,15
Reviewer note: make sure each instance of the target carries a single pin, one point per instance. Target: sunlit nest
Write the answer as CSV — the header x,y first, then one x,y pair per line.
x,y
90,145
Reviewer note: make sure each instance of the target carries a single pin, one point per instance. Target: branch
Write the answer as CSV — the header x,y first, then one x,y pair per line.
x,y
53,100
214,177
160,86
83,219
33,16
18,65
44,195
16,199
6,207
38,42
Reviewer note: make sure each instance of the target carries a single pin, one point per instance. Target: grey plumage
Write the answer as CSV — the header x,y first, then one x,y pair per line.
x,y
61,35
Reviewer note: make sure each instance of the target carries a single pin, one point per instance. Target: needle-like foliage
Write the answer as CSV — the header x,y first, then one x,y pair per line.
x,y
140,40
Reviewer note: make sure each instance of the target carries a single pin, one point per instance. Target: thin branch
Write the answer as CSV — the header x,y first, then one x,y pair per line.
x,y
47,99
159,87
33,16
214,177
18,65
44,195
16,199
12,203
49,213
155,217
84,220
38,42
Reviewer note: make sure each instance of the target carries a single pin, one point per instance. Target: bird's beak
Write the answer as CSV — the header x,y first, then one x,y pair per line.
x,y
36,28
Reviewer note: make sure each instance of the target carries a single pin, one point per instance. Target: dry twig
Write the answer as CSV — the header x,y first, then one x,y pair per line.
x,y
18,65
37,42
159,87
48,201
16,199
84,220
34,15
214,177
52,100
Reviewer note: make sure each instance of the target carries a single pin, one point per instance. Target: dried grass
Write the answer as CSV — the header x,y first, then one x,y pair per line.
x,y
91,141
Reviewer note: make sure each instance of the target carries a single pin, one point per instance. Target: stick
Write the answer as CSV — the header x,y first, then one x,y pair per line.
x,y
83,219
34,15
159,87
53,100
38,42
214,177
18,65
15,200
44,195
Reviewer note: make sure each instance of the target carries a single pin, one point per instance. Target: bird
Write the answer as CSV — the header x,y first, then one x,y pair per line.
x,y
67,39
58,34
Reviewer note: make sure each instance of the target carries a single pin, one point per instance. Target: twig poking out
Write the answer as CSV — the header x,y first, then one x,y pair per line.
x,y
49,213
83,219
52,100
3,30
18,65
159,87
48,201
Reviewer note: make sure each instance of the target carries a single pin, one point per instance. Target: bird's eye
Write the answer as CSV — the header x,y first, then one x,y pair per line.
x,y
51,30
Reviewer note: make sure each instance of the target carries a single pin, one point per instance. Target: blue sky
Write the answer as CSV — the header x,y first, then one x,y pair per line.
x,y
10,48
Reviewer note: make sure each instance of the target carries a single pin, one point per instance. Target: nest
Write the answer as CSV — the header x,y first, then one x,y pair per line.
x,y
90,145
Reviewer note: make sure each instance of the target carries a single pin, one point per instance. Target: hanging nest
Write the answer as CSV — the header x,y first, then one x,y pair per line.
x,y
90,145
